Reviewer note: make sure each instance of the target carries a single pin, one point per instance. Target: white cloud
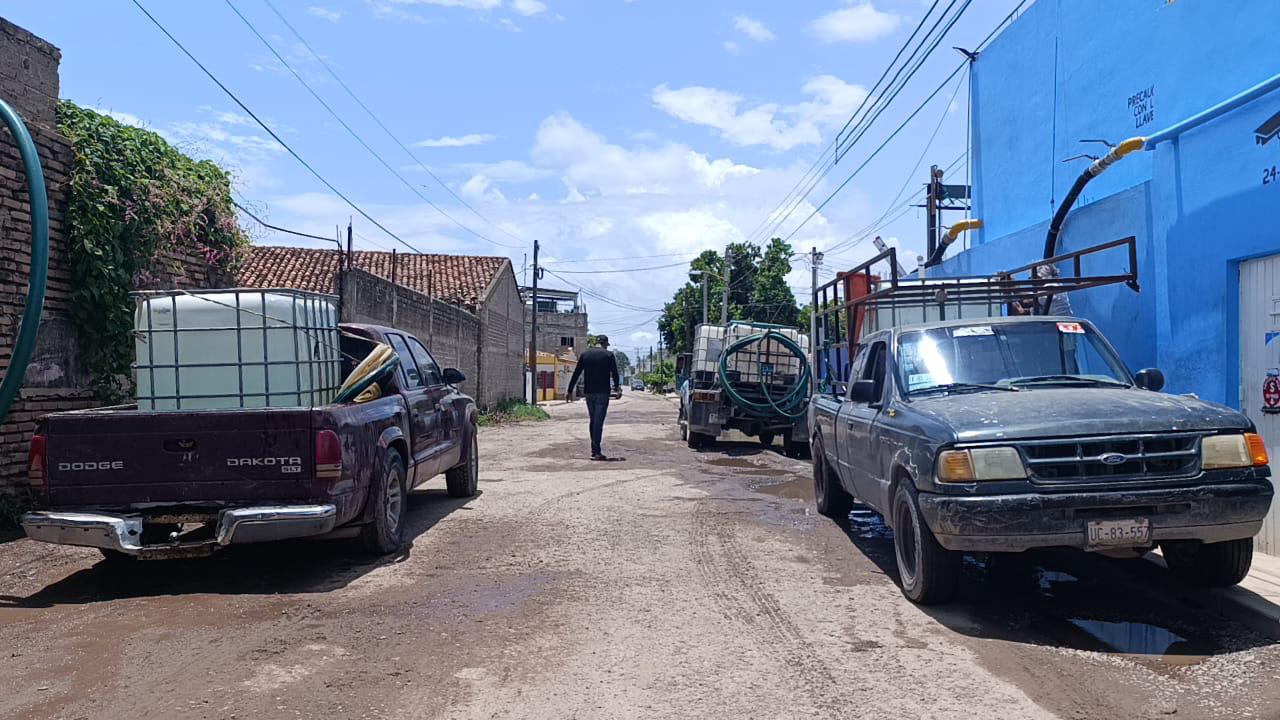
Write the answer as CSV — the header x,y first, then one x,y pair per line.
x,y
451,141
861,22
480,187
753,29
465,4
590,162
691,230
731,46
528,7
777,126
324,13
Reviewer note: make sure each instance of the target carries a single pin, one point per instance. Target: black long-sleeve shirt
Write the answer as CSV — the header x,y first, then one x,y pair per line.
x,y
596,367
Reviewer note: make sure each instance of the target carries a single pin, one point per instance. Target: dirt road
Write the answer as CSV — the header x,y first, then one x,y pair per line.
x,y
670,584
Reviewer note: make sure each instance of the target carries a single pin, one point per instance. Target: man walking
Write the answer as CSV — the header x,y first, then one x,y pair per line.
x,y
599,371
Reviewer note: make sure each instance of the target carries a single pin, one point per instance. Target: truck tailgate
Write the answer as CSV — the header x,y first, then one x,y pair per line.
x,y
127,457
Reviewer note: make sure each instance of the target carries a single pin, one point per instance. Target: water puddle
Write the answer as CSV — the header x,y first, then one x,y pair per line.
x,y
799,488
866,523
1142,639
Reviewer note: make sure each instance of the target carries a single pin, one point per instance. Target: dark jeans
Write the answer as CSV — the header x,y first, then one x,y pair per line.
x,y
597,408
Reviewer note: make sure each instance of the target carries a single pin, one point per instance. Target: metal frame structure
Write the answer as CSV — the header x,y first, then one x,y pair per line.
x,y
840,318
320,366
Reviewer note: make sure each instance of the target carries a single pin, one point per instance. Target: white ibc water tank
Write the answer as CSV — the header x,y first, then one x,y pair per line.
x,y
235,348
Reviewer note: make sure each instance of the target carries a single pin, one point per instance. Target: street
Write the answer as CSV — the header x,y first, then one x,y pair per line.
x,y
652,587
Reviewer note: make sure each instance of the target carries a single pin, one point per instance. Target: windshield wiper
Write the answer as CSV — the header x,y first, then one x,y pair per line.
x,y
1067,378
952,387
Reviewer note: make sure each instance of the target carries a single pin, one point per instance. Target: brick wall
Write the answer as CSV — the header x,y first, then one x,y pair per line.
x,y
54,379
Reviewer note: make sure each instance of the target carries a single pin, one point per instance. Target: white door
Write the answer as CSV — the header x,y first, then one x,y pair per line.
x,y
1259,358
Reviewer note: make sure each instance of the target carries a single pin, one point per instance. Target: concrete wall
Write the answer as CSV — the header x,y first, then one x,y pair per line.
x,y
502,359
553,326
1197,206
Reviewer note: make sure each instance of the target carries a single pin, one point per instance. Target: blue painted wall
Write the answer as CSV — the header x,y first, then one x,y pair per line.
x,y
1069,70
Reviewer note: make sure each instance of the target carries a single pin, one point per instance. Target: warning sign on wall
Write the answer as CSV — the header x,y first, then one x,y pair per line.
x,y
1271,392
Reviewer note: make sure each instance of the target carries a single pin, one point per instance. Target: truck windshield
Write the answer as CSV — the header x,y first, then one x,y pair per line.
x,y
1006,355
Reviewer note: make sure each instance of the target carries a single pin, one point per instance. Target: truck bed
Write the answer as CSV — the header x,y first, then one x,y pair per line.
x,y
109,458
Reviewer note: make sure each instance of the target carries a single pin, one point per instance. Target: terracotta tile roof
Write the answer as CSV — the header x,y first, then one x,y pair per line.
x,y
456,279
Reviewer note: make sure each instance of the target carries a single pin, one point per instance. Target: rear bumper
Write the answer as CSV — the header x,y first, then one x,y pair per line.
x,y
123,533
1012,523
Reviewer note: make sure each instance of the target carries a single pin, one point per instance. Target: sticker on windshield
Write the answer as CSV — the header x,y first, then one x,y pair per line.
x,y
919,380
973,331
1072,328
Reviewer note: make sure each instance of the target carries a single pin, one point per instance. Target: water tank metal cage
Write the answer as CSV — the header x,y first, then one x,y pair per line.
x,y
236,348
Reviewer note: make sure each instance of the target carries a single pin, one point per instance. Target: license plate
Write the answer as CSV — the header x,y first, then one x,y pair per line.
x,y
1118,533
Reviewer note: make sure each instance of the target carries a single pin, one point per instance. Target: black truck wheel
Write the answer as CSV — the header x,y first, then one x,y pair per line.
x,y
797,449
832,499
698,440
930,573
766,439
1220,564
387,496
464,480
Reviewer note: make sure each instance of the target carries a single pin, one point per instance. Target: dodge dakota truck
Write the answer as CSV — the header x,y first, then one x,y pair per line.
x,y
183,483
1003,434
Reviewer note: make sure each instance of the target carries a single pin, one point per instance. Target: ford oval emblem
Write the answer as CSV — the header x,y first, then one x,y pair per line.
x,y
1112,459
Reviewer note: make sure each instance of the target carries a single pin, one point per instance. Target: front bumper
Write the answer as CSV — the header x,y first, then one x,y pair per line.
x,y
1012,523
123,533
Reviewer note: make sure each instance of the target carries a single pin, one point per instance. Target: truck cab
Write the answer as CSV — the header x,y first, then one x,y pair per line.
x,y
1004,434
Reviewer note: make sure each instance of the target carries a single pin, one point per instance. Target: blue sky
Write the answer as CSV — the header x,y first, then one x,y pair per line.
x,y
604,128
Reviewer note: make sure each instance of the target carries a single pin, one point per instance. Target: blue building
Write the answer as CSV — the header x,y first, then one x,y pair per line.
x,y
1203,203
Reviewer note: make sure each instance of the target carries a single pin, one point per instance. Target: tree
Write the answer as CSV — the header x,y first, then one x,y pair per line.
x,y
624,362
661,377
757,291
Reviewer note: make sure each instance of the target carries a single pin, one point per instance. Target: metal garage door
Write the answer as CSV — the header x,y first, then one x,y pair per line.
x,y
1260,359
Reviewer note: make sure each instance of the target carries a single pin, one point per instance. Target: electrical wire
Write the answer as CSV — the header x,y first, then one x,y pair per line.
x,y
355,135
277,228
835,140
621,270
632,257
320,59
268,129
602,298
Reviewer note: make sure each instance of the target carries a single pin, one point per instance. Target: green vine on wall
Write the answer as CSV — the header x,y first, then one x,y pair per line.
x,y
134,201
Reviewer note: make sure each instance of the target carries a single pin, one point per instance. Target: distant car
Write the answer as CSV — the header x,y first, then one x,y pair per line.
x,y
637,384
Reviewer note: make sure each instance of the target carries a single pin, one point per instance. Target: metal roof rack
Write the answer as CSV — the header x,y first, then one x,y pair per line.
x,y
859,301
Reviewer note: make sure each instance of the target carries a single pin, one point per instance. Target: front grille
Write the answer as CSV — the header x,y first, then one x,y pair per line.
x,y
1132,458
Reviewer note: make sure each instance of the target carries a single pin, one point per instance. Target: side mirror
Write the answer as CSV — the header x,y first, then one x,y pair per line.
x,y
863,391
1149,379
453,376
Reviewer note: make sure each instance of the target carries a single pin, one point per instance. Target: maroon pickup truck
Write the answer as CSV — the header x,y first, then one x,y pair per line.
x,y
182,483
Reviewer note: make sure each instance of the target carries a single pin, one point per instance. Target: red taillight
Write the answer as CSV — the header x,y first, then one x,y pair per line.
x,y
328,455
37,461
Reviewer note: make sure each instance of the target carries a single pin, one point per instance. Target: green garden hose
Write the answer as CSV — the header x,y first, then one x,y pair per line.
x,y
25,343
793,405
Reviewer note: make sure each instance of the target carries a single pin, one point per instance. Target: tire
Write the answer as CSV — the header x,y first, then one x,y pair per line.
x,y
832,499
766,439
684,425
795,448
930,573
464,480
697,440
1221,564
387,496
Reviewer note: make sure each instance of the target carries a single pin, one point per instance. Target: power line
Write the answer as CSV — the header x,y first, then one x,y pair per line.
x,y
268,129
381,160
874,153
632,257
320,59
622,270
592,293
835,140
277,228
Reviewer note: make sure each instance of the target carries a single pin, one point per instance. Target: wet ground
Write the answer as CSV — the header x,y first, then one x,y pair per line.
x,y
674,583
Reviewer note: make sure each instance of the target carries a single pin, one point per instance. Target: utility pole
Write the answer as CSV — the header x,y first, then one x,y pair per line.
x,y
704,297
533,332
932,196
728,273
815,259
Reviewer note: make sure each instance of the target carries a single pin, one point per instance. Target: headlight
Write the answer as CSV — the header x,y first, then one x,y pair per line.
x,y
1233,451
998,463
